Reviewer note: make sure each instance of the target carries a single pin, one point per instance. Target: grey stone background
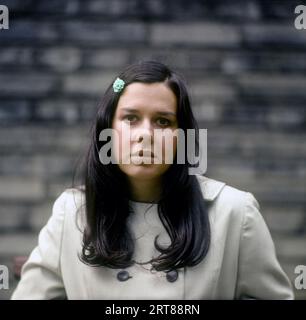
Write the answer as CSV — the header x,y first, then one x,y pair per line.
x,y
245,65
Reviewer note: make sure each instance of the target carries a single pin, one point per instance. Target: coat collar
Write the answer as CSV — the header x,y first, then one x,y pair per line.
x,y
210,187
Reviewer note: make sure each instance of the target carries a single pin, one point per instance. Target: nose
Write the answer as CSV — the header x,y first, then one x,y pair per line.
x,y
143,132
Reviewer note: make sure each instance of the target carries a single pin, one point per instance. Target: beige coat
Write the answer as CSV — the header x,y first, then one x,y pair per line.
x,y
241,262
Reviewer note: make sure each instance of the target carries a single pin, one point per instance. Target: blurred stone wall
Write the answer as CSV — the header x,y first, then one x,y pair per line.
x,y
245,65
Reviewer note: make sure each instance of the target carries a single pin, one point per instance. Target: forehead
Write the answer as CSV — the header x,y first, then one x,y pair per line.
x,y
148,95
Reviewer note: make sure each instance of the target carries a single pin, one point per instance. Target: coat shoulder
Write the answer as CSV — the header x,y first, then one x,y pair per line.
x,y
73,200
72,196
226,199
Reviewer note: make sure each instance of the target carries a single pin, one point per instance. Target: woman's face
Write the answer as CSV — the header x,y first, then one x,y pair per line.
x,y
142,109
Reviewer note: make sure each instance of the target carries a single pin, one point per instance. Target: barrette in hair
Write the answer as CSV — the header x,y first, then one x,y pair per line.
x,y
118,85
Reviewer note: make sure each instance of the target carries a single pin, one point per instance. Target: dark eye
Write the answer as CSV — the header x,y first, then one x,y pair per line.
x,y
130,118
163,122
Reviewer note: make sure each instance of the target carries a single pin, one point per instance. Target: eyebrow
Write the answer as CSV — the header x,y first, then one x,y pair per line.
x,y
165,113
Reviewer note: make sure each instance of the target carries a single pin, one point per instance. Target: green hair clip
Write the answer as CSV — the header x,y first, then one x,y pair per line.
x,y
118,85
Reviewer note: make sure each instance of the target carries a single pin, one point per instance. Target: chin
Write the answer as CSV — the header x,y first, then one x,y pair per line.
x,y
144,171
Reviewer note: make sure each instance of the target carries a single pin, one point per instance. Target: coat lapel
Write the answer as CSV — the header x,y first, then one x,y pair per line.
x,y
210,187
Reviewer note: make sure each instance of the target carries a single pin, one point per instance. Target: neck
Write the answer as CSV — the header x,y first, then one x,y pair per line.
x,y
145,190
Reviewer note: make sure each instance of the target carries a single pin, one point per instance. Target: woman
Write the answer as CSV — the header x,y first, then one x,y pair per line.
x,y
143,228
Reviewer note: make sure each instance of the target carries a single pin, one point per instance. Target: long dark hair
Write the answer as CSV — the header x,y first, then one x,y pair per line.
x,y
107,241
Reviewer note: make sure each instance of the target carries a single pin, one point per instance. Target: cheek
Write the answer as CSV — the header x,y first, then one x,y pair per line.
x,y
174,144
116,139
121,139
167,143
